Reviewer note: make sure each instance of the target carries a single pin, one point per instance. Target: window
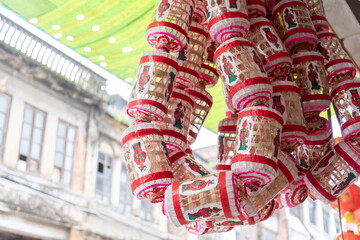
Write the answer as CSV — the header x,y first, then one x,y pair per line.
x,y
65,145
312,212
269,235
4,116
103,177
337,225
296,235
326,219
298,212
126,197
146,210
31,139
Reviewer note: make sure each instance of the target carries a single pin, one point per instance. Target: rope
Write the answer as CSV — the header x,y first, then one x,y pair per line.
x,y
342,232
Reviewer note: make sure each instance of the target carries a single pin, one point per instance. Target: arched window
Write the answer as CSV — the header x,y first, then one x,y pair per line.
x,y
126,197
104,172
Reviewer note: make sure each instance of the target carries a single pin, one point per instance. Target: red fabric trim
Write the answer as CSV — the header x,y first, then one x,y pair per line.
x,y
147,102
254,159
140,133
176,202
155,58
260,24
199,96
227,128
315,18
256,2
197,30
334,62
248,82
345,87
211,69
275,56
294,128
150,177
188,70
206,230
326,34
225,16
316,97
235,43
223,167
176,156
289,4
183,97
297,30
192,134
224,195
286,88
319,142
251,221
319,188
350,122
344,155
308,58
241,217
174,134
167,24
261,112
285,171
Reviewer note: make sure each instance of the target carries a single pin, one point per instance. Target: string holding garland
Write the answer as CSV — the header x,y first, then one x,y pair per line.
x,y
277,62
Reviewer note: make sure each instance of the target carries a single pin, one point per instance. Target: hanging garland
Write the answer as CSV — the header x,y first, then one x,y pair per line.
x,y
277,62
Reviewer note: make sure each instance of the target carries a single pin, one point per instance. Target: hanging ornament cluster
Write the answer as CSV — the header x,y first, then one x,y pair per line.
x,y
277,62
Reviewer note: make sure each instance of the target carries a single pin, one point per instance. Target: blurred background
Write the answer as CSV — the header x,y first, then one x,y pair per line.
x,y
66,68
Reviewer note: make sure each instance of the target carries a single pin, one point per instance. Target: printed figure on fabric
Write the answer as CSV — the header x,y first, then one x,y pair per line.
x,y
195,167
179,115
313,76
204,213
196,185
290,18
139,156
229,69
243,136
163,7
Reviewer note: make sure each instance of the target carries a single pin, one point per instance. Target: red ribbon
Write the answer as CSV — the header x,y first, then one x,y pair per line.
x,y
183,97
354,84
200,96
151,177
227,15
139,133
285,171
167,24
286,88
176,157
308,58
276,56
316,97
176,203
248,82
334,62
224,195
254,159
227,128
234,43
319,188
350,122
344,155
298,30
162,59
261,112
174,134
147,102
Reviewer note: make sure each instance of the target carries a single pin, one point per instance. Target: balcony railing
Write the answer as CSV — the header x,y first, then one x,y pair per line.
x,y
17,37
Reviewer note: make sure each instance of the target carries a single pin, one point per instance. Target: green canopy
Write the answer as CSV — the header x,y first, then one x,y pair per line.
x,y
111,33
